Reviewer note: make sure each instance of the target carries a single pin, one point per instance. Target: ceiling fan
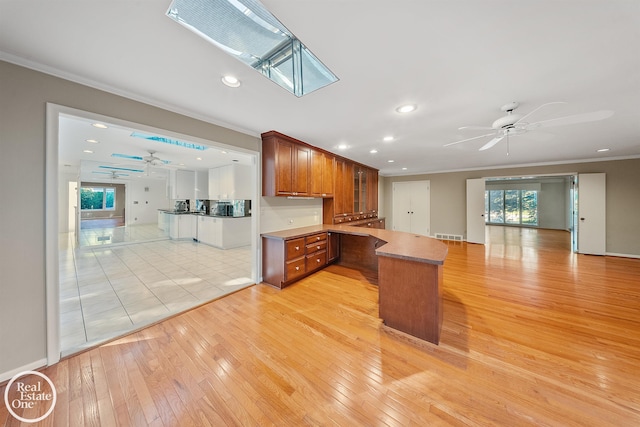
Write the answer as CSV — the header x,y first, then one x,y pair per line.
x,y
114,174
151,159
516,124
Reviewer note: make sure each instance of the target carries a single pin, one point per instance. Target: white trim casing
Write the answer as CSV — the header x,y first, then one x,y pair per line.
x,y
52,281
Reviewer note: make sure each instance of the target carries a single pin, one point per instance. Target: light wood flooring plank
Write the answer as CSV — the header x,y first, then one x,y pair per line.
x,y
533,335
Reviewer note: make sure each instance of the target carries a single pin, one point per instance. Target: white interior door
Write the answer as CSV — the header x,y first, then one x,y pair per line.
x,y
475,211
592,206
411,207
420,207
401,207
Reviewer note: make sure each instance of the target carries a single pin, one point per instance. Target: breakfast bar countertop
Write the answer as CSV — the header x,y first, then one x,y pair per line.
x,y
397,244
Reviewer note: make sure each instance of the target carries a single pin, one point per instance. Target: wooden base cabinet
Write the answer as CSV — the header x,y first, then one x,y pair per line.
x,y
286,260
410,295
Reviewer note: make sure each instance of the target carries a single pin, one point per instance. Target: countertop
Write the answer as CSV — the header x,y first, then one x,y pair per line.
x,y
174,212
397,244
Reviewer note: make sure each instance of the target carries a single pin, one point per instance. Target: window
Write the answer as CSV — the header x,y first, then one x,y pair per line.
x,y
97,198
511,207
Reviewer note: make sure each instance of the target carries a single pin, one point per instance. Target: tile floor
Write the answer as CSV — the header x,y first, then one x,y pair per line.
x,y
109,290
131,233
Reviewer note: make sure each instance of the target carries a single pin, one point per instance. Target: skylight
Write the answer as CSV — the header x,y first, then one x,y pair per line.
x,y
170,141
246,30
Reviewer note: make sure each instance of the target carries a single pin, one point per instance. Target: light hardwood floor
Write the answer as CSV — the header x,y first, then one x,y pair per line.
x,y
532,335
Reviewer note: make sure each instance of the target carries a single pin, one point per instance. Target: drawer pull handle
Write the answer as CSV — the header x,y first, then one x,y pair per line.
x,y
318,247
297,268
297,248
317,238
318,260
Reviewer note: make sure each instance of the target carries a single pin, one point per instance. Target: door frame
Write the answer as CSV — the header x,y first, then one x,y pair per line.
x,y
572,197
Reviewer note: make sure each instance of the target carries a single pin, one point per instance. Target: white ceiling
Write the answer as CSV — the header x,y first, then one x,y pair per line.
x,y
105,154
458,60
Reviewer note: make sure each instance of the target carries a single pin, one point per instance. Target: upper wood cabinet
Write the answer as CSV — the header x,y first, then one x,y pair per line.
x,y
343,198
293,168
372,190
286,166
360,189
322,174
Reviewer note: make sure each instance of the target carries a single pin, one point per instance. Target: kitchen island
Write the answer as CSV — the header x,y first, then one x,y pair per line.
x,y
408,266
224,232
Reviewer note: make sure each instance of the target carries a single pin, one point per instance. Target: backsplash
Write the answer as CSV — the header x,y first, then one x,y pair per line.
x,y
279,213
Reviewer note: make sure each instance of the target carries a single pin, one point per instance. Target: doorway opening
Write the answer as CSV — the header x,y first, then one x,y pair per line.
x,y
538,202
112,283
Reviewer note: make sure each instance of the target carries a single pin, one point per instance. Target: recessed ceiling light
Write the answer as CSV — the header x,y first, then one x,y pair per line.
x,y
198,158
603,150
388,138
406,108
342,147
93,141
231,81
374,151
87,151
223,152
404,169
99,125
390,161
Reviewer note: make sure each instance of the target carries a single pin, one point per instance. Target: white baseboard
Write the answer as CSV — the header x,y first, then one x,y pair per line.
x,y
5,376
622,255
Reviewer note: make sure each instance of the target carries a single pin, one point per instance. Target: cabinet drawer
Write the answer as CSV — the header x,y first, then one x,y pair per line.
x,y
295,268
295,249
317,260
314,238
315,247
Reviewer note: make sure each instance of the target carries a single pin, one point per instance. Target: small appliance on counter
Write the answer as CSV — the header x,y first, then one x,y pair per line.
x,y
181,206
230,208
241,208
202,207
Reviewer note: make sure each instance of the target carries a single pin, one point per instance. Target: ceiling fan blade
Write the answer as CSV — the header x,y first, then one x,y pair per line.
x,y
539,108
570,120
491,143
469,139
475,128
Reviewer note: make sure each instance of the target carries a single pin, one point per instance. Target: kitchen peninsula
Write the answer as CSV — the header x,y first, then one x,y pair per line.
x,y
408,266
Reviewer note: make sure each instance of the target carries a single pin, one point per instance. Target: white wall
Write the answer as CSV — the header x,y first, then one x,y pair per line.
x,y
150,195
280,213
63,199
553,204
